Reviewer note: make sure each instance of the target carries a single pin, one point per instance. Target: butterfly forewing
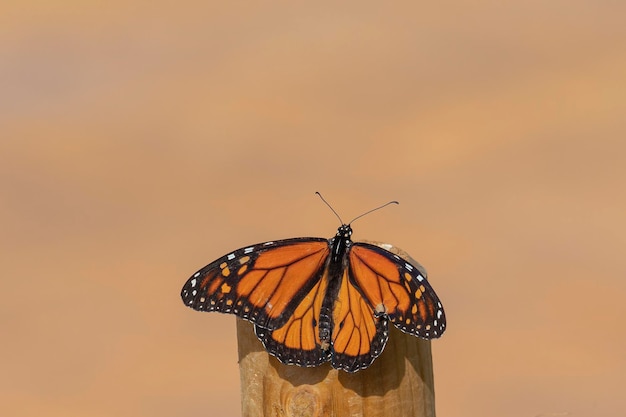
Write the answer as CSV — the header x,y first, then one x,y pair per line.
x,y
397,289
261,283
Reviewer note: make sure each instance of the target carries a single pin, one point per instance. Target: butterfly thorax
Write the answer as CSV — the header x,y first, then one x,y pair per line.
x,y
340,243
339,247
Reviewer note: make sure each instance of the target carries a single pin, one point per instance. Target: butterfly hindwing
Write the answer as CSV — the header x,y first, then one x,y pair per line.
x,y
398,289
358,335
298,340
261,283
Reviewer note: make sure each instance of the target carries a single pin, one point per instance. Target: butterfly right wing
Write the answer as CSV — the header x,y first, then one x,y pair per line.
x,y
359,336
263,283
398,290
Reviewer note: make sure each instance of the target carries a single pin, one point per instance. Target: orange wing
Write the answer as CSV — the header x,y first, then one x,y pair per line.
x,y
359,336
397,289
298,340
263,283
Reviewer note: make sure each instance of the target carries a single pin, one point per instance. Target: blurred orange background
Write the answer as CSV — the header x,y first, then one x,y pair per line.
x,y
139,141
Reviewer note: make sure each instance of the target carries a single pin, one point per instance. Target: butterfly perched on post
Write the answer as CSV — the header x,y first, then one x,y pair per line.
x,y
314,300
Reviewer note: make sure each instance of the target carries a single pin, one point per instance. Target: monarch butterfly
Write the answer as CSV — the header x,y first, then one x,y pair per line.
x,y
314,300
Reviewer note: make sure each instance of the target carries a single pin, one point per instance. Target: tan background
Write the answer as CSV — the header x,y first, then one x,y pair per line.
x,y
140,141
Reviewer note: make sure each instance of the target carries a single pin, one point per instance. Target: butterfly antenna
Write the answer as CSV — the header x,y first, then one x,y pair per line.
x,y
329,206
374,209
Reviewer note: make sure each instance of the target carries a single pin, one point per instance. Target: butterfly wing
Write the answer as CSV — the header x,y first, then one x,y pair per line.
x,y
298,340
263,283
397,289
358,335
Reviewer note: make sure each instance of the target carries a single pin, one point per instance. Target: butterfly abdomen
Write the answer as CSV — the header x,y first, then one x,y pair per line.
x,y
326,312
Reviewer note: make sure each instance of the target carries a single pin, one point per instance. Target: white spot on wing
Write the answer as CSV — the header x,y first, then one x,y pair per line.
x,y
409,267
268,243
196,275
193,282
249,249
420,278
231,257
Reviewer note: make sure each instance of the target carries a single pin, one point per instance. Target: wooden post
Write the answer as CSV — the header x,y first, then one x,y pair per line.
x,y
398,384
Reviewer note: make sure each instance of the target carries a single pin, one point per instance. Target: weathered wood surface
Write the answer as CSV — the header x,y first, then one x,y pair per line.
x,y
398,384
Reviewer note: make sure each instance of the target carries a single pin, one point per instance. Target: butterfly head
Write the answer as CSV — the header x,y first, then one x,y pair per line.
x,y
344,231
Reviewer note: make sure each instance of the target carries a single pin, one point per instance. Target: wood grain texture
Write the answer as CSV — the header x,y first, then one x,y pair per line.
x,y
399,383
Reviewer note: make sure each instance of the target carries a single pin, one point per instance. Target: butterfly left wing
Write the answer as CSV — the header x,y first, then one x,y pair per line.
x,y
397,289
261,283
298,340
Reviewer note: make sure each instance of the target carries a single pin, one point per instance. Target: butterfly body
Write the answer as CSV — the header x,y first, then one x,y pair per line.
x,y
339,245
314,300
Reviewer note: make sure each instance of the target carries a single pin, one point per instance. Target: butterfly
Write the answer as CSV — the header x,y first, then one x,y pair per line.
x,y
314,300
